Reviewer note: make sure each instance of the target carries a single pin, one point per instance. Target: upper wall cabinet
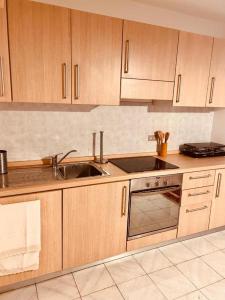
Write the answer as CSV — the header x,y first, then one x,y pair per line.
x,y
5,88
96,59
216,88
40,51
192,71
149,54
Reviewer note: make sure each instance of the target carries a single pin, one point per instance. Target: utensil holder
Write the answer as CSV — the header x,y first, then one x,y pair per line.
x,y
3,162
163,151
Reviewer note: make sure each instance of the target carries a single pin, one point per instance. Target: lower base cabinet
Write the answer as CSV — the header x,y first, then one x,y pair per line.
x,y
194,218
51,235
94,223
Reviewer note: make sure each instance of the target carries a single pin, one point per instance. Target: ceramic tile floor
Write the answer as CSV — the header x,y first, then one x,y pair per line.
x,y
189,270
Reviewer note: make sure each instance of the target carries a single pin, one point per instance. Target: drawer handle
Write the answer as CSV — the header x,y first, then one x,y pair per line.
x,y
126,58
178,88
196,209
198,194
218,185
124,201
212,90
2,90
200,177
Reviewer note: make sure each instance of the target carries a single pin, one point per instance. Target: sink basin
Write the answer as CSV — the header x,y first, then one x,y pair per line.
x,y
80,170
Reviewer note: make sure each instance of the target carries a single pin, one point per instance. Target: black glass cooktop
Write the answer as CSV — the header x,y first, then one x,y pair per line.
x,y
141,164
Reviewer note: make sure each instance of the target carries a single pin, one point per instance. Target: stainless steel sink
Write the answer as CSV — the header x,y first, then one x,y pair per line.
x,y
80,170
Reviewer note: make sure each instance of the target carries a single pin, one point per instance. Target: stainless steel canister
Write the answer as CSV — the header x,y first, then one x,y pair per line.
x,y
3,162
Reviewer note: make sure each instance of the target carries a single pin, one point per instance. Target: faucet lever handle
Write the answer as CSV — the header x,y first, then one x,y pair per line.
x,y
54,158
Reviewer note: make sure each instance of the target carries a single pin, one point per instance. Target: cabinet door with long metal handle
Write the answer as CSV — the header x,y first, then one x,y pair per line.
x,y
212,90
76,82
218,186
64,81
126,56
124,201
2,83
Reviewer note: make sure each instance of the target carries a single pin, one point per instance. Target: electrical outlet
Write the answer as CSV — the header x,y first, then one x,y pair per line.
x,y
151,138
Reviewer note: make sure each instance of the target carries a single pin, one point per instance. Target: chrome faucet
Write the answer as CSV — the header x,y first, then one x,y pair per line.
x,y
101,159
56,162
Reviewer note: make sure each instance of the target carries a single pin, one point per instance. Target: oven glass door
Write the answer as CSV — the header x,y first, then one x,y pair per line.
x,y
153,210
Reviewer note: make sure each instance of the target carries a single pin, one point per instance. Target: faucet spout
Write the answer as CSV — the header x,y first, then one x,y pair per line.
x,y
56,162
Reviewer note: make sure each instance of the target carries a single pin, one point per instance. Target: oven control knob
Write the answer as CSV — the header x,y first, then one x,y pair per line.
x,y
156,183
165,182
148,185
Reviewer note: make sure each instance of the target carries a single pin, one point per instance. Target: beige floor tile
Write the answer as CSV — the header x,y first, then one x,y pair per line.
x,y
93,279
177,253
217,239
140,288
198,272
215,291
172,282
152,260
193,296
124,269
216,260
111,293
60,288
200,246
27,293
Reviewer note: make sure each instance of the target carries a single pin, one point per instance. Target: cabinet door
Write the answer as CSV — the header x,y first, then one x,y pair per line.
x,y
149,52
40,48
51,235
5,87
217,217
192,71
96,57
216,88
194,218
94,223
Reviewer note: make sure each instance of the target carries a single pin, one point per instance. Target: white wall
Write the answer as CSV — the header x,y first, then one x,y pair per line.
x,y
218,130
131,10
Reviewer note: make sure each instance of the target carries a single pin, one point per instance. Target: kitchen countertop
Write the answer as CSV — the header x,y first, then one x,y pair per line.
x,y
37,179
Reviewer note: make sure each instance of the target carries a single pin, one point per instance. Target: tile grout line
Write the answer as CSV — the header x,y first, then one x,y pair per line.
x,y
76,285
36,291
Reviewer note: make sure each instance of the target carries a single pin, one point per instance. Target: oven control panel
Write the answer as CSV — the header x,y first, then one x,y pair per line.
x,y
155,182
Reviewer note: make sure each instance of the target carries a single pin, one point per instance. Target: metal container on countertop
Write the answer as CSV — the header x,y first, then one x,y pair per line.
x,y
3,162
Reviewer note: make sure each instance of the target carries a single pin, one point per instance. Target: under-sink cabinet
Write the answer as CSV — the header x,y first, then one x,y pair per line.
x,y
5,86
51,235
94,223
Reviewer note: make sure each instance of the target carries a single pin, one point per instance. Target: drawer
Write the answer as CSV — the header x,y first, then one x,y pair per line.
x,y
194,218
198,179
198,195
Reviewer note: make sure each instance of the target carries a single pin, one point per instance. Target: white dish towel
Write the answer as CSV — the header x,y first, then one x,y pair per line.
x,y
20,237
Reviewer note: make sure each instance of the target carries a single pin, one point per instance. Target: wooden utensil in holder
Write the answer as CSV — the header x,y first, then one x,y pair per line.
x,y
161,139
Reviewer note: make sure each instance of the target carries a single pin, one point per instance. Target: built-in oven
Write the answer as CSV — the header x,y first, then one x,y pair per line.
x,y
154,205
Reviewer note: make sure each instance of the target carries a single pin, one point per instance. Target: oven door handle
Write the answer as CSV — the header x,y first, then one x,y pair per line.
x,y
153,191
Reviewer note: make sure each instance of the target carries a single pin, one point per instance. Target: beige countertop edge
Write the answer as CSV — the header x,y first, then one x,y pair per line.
x,y
185,164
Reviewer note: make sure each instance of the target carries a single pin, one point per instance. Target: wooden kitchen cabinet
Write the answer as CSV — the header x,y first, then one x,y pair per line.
x,y
5,86
149,61
94,223
40,52
51,235
96,59
217,217
216,88
192,70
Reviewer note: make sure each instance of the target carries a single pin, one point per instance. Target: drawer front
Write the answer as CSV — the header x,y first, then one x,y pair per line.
x,y
198,195
194,218
198,179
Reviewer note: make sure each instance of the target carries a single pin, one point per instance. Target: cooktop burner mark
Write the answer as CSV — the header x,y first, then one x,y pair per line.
x,y
141,164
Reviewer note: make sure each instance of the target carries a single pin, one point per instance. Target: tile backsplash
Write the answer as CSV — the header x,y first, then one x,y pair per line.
x,y
28,135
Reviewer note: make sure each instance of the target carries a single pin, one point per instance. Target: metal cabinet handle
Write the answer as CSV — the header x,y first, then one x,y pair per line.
x,y
64,81
2,81
178,88
211,90
124,201
76,82
126,58
200,177
198,194
218,185
196,209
